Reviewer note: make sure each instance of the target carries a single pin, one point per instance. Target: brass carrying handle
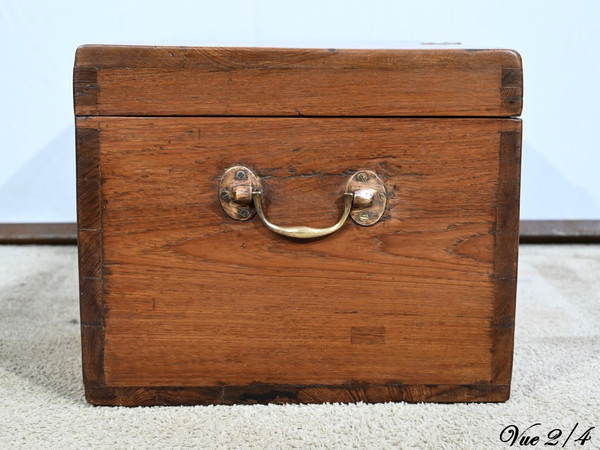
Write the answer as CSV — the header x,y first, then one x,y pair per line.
x,y
240,195
302,232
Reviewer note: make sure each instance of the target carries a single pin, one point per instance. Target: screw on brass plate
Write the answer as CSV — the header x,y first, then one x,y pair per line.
x,y
240,175
381,195
235,192
363,216
362,177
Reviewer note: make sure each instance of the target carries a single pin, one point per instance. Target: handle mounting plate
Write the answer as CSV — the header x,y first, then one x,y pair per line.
x,y
370,197
235,192
240,192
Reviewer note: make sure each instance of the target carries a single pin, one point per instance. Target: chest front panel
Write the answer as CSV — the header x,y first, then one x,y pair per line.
x,y
182,304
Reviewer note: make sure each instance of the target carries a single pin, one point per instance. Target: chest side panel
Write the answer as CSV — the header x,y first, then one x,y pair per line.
x,y
193,298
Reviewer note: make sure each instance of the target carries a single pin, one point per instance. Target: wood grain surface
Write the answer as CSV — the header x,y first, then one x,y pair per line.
x,y
180,81
560,231
181,304
38,233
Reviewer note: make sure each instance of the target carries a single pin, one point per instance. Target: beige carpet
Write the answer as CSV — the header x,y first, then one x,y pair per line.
x,y
556,379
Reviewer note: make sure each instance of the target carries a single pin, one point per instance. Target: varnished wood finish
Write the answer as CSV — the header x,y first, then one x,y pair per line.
x,y
257,393
38,233
91,270
176,81
181,304
560,231
506,254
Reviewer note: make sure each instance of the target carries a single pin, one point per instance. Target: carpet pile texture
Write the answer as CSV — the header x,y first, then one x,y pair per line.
x,y
556,376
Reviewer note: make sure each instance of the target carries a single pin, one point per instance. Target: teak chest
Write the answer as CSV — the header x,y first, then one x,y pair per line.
x,y
287,225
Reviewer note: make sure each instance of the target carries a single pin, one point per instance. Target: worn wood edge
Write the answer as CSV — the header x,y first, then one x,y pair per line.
x,y
85,89
560,231
90,254
137,56
506,249
531,231
511,90
292,394
38,233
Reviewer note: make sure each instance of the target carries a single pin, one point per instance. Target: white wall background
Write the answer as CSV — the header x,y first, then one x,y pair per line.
x,y
559,43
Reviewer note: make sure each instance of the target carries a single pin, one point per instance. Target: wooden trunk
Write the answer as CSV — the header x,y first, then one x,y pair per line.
x,y
181,304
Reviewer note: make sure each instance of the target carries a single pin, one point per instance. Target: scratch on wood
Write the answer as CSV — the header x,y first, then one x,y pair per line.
x,y
367,335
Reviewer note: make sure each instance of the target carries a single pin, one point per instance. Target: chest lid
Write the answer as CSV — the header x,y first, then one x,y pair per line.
x,y
196,81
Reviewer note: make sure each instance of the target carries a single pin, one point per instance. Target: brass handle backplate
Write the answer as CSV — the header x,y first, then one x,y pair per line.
x,y
241,196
